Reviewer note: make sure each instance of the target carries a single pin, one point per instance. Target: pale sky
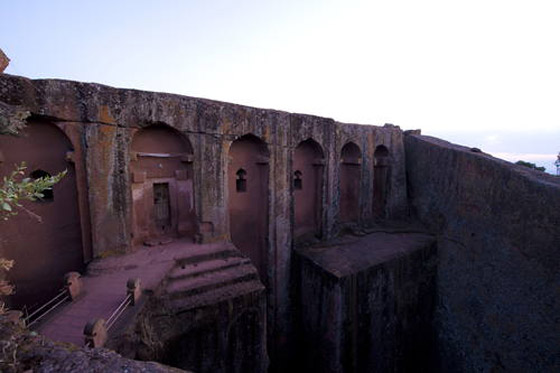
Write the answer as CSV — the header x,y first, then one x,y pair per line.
x,y
478,73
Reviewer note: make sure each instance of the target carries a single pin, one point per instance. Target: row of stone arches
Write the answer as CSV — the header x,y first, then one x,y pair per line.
x,y
163,188
163,197
248,190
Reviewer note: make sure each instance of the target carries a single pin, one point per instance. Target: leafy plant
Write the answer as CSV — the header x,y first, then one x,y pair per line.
x,y
16,188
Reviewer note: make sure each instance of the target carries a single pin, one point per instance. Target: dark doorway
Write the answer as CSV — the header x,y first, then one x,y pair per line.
x,y
350,182
162,211
248,198
307,188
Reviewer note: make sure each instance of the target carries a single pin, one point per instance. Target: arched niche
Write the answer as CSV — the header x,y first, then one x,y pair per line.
x,y
307,176
350,182
49,243
381,170
162,185
248,198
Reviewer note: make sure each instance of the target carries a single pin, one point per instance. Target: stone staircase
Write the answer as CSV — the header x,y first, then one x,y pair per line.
x,y
210,275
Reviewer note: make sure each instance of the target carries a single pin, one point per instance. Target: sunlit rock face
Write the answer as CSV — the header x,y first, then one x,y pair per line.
x,y
4,61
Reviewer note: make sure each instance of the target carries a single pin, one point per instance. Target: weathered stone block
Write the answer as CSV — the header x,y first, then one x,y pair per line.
x,y
366,305
498,293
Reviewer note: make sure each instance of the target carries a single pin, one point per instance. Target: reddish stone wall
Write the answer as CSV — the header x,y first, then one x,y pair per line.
x,y
381,172
106,118
350,183
162,187
45,239
248,188
308,189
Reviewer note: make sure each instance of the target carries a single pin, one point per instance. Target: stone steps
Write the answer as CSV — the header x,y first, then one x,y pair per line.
x,y
217,295
206,253
209,281
205,277
201,268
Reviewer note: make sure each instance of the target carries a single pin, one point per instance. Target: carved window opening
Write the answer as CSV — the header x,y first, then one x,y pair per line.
x,y
298,183
48,194
241,182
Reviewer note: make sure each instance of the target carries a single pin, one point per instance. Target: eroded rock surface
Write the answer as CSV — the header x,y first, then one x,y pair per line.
x,y
366,304
499,236
209,315
24,351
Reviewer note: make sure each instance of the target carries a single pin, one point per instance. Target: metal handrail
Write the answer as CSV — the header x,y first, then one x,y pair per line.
x,y
71,291
29,320
118,311
96,330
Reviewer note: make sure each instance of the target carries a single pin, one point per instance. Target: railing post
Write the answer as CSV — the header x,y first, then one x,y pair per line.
x,y
73,283
15,317
95,333
133,289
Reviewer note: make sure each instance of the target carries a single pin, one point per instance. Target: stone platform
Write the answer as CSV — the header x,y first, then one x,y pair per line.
x,y
366,303
104,285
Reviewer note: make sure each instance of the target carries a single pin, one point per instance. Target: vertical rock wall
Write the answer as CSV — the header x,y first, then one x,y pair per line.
x,y
227,336
499,237
366,305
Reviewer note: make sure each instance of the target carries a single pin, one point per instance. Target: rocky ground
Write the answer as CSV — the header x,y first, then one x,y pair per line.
x,y
24,351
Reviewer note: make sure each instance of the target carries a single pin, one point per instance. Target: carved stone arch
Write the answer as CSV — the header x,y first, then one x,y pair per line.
x,y
155,136
248,195
43,251
308,166
381,171
162,184
381,154
350,182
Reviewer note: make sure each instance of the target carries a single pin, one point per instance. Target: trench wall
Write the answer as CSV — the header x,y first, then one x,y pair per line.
x,y
375,319
498,251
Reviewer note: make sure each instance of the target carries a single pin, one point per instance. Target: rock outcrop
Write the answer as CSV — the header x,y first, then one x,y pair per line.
x,y
25,351
498,278
209,315
4,61
366,304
